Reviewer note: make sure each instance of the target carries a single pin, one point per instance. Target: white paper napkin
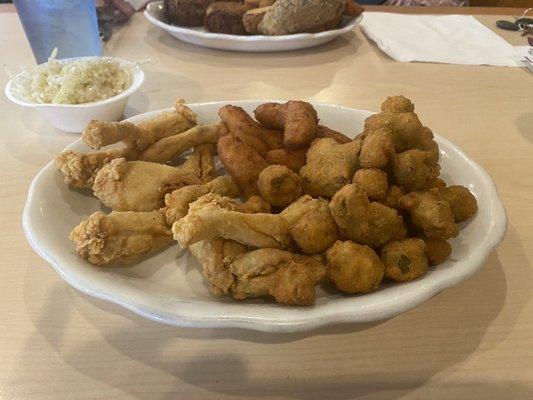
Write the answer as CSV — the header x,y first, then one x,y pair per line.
x,y
453,39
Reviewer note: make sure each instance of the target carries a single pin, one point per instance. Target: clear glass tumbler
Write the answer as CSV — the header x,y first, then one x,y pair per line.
x,y
69,25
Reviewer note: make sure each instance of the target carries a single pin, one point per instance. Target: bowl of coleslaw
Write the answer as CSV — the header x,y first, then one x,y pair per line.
x,y
72,91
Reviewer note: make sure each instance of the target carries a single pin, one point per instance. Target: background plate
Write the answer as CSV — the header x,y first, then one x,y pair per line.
x,y
251,43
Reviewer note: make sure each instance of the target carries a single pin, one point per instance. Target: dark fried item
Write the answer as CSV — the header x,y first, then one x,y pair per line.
x,y
325,132
438,184
377,149
240,124
352,9
398,104
295,16
225,17
461,200
259,3
273,138
431,213
311,225
242,162
354,268
298,119
252,18
292,159
415,169
363,221
279,185
186,12
427,143
437,250
373,181
330,165
405,260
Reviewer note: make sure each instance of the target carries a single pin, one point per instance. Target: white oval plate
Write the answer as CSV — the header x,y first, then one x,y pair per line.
x,y
255,43
168,287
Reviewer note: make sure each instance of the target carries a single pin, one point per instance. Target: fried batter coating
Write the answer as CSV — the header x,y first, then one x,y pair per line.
x,y
461,200
298,119
438,184
364,222
279,186
254,205
325,132
405,260
103,238
398,104
252,18
226,17
138,185
352,9
404,128
171,147
241,124
177,202
415,169
274,140
289,278
311,225
427,143
377,149
373,181
292,159
392,196
80,169
215,255
431,213
215,216
242,162
354,268
330,166
98,134
437,250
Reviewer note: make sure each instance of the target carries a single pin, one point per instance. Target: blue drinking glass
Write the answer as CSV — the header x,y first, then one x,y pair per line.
x,y
69,25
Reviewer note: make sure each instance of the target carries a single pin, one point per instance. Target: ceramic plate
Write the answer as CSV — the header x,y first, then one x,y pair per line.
x,y
254,43
168,286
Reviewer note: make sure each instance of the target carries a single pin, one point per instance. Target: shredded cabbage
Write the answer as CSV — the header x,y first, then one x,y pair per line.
x,y
81,81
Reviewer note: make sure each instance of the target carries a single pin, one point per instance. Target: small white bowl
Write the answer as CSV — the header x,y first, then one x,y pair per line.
x,y
74,117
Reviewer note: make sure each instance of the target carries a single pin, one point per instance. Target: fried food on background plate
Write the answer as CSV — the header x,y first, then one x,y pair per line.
x,y
292,159
392,196
171,147
330,165
80,169
352,8
216,216
296,16
373,181
252,18
138,185
415,169
461,200
354,268
365,222
279,185
437,250
397,104
226,17
431,213
98,134
297,119
120,236
242,162
405,260
177,202
311,225
253,205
